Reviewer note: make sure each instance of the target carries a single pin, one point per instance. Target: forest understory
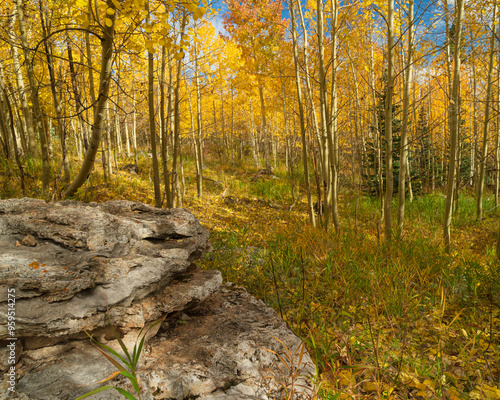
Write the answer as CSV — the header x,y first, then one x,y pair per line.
x,y
398,319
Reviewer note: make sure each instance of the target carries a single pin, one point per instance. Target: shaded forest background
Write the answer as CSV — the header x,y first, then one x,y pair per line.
x,y
344,154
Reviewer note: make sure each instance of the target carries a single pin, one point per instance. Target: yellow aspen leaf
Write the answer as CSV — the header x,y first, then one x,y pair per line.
x,y
117,4
370,387
109,22
179,56
197,14
428,383
110,11
417,385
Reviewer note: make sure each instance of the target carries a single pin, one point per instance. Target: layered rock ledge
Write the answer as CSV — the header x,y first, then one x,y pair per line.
x,y
78,267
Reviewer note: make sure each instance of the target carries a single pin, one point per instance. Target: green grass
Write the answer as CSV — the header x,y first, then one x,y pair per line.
x,y
400,317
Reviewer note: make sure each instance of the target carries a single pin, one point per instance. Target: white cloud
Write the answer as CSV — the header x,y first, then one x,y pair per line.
x,y
218,24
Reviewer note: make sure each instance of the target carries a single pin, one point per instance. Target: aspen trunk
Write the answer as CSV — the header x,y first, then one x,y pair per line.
x,y
109,143
311,103
486,126
152,126
177,125
497,149
164,124
8,125
78,100
404,129
34,98
61,131
264,126
105,78
388,123
27,119
198,139
7,145
254,141
89,58
134,127
324,109
333,143
454,113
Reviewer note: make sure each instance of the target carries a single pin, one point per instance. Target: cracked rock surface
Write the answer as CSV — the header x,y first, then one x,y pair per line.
x,y
69,262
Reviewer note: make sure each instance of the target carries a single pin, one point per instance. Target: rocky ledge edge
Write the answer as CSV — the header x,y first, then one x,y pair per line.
x,y
78,267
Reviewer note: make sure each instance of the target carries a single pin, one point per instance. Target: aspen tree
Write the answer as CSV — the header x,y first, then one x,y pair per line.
x,y
28,60
310,96
388,121
486,125
453,124
404,129
89,56
324,112
76,92
177,121
497,139
27,119
61,130
310,209
105,78
333,143
198,136
5,128
152,125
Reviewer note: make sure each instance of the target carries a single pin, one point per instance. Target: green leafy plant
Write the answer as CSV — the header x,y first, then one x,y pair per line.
x,y
126,365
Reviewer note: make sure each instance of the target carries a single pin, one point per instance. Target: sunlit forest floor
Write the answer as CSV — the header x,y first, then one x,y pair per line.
x,y
398,320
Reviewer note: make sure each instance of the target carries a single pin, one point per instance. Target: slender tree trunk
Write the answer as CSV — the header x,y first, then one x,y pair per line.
x,y
325,118
311,97
388,123
7,145
10,116
177,123
198,139
134,127
164,124
310,209
254,141
89,58
109,143
333,144
152,126
454,113
264,125
61,130
484,152
404,130
34,98
105,78
166,131
497,142
27,117
78,100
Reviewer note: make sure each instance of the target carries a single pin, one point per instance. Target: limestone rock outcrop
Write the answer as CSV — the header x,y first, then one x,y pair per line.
x,y
78,268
